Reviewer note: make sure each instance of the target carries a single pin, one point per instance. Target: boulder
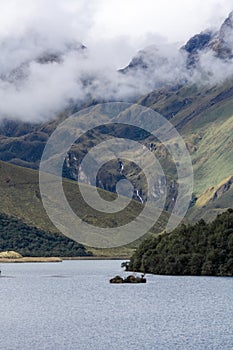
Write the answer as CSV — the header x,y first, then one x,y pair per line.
x,y
116,279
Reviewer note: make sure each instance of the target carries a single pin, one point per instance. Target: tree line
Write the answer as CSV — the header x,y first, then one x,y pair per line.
x,y
199,249
30,241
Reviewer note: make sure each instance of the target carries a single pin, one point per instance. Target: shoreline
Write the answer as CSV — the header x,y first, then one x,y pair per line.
x,y
30,260
95,258
55,259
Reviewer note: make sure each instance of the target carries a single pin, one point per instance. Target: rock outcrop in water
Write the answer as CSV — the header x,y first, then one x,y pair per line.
x,y
128,279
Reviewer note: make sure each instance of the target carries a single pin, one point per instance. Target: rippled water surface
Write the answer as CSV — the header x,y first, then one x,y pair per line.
x,y
71,306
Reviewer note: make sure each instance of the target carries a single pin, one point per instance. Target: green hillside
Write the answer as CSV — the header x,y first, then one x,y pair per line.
x,y
204,117
202,114
20,198
30,241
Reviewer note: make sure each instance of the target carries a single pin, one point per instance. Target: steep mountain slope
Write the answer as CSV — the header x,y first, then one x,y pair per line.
x,y
20,198
204,117
213,201
202,111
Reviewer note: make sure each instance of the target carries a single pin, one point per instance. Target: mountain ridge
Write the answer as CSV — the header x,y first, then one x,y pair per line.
x,y
202,113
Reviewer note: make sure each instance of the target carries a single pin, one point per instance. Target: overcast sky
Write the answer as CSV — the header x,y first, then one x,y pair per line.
x,y
93,20
112,30
174,19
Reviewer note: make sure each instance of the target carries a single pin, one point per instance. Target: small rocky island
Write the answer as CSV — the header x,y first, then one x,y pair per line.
x,y
128,279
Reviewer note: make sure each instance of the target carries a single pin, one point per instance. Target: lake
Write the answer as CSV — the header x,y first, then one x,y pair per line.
x,y
72,306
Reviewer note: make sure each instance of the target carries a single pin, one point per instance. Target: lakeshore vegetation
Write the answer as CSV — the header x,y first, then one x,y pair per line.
x,y
199,249
33,242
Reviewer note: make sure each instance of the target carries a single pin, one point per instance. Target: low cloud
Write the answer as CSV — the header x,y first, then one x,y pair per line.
x,y
39,79
44,67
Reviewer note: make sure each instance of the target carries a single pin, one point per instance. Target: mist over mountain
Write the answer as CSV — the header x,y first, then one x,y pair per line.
x,y
41,75
49,71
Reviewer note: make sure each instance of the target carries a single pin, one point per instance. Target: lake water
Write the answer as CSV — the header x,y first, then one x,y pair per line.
x,y
72,306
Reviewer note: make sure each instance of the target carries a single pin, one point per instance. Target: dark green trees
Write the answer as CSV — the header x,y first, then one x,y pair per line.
x,y
30,241
200,249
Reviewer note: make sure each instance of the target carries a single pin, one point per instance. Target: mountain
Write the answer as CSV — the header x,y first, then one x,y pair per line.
x,y
157,66
223,43
204,119
32,49
155,63
220,43
21,204
197,103
202,115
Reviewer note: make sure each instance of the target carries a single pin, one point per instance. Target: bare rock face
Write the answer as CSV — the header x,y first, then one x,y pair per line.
x,y
219,42
214,193
224,44
223,188
197,44
145,60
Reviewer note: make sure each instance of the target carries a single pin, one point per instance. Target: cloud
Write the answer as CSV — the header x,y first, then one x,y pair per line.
x,y
43,67
175,19
212,70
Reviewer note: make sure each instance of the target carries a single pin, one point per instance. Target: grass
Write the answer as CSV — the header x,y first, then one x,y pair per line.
x,y
202,114
20,197
213,160
204,117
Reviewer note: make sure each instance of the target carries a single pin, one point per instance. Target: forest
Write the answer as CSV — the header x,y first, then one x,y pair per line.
x,y
30,241
199,249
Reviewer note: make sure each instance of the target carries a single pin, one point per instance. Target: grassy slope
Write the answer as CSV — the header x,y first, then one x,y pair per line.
x,y
204,117
211,208
20,197
213,158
